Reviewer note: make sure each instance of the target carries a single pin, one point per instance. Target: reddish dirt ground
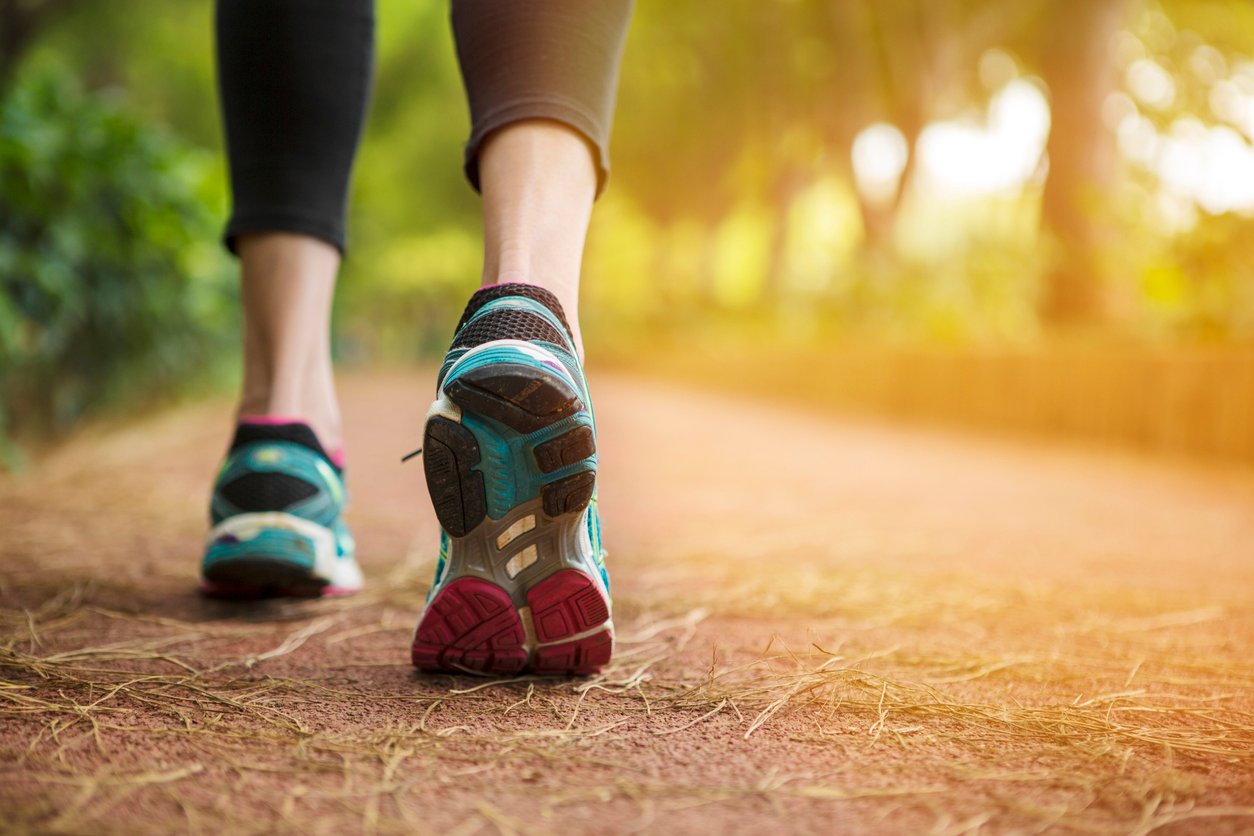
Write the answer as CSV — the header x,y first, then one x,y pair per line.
x,y
824,626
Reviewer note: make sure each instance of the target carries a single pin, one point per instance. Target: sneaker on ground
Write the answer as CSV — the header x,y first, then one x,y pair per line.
x,y
277,518
509,451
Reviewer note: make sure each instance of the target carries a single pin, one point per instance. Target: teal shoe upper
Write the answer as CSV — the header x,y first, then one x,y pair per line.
x,y
281,468
533,315
514,317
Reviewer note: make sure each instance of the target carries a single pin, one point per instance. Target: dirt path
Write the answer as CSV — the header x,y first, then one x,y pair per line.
x,y
823,626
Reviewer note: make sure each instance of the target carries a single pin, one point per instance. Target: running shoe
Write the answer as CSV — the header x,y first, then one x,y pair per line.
x,y
509,452
277,518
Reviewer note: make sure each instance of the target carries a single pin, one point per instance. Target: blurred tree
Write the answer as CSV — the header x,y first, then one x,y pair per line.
x,y
732,151
675,160
1080,72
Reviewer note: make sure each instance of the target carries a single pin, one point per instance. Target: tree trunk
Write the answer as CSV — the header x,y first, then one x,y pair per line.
x,y
787,185
1080,74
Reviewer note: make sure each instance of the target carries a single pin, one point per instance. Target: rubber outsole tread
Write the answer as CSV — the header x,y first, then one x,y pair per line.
x,y
260,577
568,448
565,604
582,657
472,625
521,397
568,495
450,452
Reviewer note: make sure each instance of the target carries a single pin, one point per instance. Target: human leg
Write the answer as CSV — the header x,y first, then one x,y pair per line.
x,y
510,449
287,284
294,80
538,184
541,80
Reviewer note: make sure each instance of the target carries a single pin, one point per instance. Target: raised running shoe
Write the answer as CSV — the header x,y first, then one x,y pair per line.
x,y
277,518
509,452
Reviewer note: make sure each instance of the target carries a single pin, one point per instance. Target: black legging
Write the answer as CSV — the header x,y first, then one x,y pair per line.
x,y
294,78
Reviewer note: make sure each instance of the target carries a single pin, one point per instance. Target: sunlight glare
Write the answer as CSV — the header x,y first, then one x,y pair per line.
x,y
965,157
1213,166
1137,139
879,157
825,229
1232,105
1151,84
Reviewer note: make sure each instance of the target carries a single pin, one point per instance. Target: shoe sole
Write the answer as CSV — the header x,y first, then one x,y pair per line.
x,y
261,577
273,555
520,594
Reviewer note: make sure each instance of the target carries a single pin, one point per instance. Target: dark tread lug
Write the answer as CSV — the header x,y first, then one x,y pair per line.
x,y
521,397
449,455
568,495
568,448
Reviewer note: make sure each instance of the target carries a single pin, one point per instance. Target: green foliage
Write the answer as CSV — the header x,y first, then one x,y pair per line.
x,y
112,283
160,53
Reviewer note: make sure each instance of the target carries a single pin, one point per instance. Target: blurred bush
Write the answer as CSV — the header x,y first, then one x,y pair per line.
x,y
112,283
1202,285
888,177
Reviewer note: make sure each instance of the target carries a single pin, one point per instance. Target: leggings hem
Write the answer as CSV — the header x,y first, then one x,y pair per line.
x,y
260,222
557,110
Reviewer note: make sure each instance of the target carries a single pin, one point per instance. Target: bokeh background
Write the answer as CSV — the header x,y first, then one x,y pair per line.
x,y
1035,215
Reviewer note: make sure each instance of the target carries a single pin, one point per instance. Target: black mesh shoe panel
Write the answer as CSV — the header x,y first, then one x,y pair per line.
x,y
484,295
266,491
507,325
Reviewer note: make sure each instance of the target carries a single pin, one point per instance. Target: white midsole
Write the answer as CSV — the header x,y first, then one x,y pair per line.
x,y
328,565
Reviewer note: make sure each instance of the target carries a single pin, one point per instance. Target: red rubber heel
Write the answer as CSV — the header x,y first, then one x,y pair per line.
x,y
581,657
564,605
471,625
